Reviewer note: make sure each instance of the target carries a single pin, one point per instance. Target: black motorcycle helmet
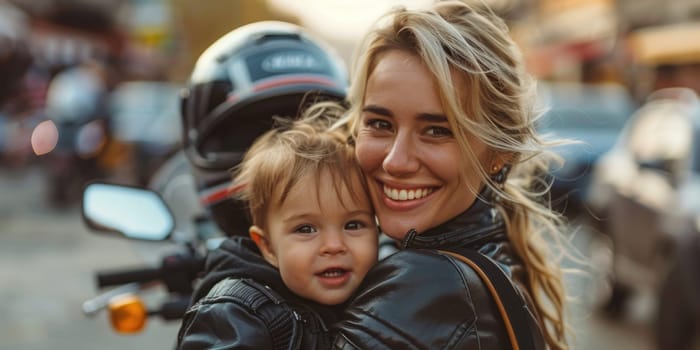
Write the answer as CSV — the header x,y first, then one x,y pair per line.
x,y
238,84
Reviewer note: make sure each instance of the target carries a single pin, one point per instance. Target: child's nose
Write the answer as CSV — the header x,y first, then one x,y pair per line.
x,y
333,242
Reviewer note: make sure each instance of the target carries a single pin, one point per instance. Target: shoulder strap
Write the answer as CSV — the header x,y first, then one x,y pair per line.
x,y
277,315
510,304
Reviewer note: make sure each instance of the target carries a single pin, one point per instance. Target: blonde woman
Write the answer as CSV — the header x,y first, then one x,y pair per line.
x,y
442,123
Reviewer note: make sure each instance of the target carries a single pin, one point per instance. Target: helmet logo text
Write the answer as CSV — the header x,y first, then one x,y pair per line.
x,y
286,61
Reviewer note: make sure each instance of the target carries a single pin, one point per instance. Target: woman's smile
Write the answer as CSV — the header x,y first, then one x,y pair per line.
x,y
405,197
407,194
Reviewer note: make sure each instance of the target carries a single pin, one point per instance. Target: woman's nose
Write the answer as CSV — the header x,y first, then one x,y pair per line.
x,y
333,242
401,158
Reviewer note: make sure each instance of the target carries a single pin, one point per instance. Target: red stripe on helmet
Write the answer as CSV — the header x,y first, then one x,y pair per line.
x,y
218,194
293,80
215,196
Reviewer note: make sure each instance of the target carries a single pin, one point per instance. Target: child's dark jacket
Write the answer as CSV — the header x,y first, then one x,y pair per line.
x,y
242,303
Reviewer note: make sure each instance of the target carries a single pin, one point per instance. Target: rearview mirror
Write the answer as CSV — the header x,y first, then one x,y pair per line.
x,y
133,212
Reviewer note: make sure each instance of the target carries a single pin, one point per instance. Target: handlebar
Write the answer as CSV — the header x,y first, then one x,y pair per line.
x,y
174,309
119,277
177,272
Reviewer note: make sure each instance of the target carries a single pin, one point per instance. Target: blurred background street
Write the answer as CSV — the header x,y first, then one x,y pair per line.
x,y
48,259
47,262
89,90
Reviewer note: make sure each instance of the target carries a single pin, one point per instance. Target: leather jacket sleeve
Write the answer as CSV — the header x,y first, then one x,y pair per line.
x,y
222,325
420,299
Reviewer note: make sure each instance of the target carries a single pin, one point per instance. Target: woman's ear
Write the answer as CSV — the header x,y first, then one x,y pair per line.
x,y
261,240
500,159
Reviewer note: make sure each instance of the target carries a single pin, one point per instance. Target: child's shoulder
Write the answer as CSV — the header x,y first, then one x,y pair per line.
x,y
251,311
244,290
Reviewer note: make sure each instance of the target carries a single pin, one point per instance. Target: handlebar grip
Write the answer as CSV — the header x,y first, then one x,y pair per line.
x,y
174,309
119,277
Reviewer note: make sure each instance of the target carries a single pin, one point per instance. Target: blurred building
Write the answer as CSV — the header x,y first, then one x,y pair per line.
x,y
563,40
66,33
662,39
643,44
571,40
636,14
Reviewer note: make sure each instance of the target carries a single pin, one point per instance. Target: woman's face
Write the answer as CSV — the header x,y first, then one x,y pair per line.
x,y
408,151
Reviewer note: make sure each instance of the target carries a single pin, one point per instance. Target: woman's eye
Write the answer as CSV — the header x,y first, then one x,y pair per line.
x,y
379,124
304,229
437,131
354,225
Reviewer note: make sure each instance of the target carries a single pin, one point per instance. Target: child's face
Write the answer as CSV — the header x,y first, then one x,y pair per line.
x,y
322,249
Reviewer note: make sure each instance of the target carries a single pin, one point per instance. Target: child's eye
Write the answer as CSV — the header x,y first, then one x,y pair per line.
x,y
304,229
437,131
379,124
354,225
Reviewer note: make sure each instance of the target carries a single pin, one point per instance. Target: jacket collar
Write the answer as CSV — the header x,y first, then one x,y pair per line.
x,y
481,222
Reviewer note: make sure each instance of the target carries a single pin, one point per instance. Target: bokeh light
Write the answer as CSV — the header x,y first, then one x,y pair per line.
x,y
44,137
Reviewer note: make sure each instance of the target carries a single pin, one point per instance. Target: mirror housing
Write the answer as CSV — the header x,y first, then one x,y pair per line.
x,y
133,212
668,168
660,165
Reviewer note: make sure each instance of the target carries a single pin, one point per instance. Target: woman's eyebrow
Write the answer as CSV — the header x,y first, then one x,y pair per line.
x,y
432,118
378,110
427,117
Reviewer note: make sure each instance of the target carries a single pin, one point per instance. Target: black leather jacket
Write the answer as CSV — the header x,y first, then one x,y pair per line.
x,y
237,298
418,298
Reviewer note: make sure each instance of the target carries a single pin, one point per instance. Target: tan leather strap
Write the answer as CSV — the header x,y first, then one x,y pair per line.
x,y
494,294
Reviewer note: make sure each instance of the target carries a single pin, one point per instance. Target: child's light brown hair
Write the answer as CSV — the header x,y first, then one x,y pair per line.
x,y
293,149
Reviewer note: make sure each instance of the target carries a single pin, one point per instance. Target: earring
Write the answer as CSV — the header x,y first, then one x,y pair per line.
x,y
499,176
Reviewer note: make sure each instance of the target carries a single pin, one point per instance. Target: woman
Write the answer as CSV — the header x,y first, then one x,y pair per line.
x,y
442,121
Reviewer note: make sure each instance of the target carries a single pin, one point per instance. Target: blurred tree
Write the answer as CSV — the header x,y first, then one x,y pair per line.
x,y
202,22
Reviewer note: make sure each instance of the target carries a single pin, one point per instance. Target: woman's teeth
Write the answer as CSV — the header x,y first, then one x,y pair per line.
x,y
402,195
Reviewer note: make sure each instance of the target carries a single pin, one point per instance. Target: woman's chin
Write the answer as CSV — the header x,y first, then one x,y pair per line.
x,y
396,231
396,237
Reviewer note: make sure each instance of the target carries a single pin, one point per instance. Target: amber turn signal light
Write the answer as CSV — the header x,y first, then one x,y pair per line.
x,y
127,314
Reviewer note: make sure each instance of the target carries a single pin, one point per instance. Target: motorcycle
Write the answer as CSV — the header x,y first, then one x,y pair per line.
x,y
74,105
174,228
168,214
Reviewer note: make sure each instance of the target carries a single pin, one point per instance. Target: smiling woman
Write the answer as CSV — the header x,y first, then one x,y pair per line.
x,y
440,113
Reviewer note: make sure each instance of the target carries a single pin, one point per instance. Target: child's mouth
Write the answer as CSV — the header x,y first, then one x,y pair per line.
x,y
334,277
335,272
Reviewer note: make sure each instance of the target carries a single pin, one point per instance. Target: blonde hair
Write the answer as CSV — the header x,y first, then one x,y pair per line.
x,y
487,94
291,150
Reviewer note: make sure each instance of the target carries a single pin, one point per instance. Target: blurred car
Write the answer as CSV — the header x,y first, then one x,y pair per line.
x,y
646,191
678,312
591,114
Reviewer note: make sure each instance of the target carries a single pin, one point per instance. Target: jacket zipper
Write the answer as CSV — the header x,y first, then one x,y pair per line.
x,y
297,330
